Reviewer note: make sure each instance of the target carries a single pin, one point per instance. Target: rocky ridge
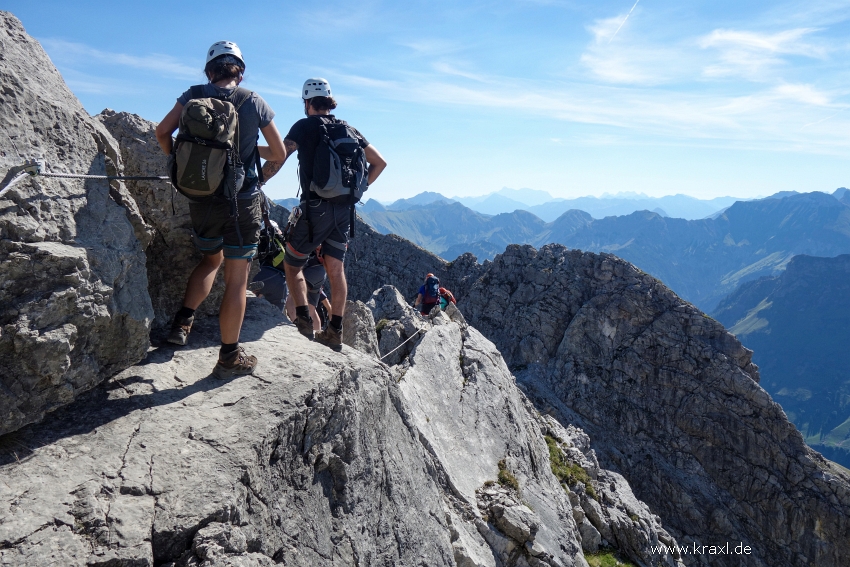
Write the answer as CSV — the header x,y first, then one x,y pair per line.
x,y
670,399
321,458
74,306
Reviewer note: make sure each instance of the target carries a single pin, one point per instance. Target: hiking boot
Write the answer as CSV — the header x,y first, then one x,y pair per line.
x,y
180,328
235,363
330,337
305,326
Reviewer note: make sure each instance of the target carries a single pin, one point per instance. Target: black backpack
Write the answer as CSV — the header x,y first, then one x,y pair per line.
x,y
432,290
339,166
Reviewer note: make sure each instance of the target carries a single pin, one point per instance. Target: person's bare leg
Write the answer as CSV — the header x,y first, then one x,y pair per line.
x,y
339,287
233,303
201,281
317,323
297,285
289,305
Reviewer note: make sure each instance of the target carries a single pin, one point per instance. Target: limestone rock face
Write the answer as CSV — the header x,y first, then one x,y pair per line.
x,y
74,307
399,326
670,400
358,328
320,458
171,253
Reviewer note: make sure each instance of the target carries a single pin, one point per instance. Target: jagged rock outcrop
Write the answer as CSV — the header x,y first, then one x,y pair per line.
x,y
358,328
74,307
670,400
320,458
399,327
171,253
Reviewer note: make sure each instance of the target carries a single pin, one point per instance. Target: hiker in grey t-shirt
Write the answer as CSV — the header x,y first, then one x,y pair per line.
x,y
221,236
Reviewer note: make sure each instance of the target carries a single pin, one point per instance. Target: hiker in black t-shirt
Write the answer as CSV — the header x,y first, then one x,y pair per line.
x,y
222,236
324,222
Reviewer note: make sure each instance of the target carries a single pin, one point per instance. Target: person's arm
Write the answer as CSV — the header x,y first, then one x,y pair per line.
x,y
166,128
376,162
271,167
275,150
418,299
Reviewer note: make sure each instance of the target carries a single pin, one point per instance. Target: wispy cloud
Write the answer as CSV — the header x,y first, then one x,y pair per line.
x,y
769,119
805,94
432,47
448,69
750,54
80,54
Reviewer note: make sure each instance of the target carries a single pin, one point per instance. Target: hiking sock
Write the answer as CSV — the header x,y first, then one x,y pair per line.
x,y
336,322
185,312
302,311
227,348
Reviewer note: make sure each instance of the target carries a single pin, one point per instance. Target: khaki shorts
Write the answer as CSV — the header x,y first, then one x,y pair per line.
x,y
215,228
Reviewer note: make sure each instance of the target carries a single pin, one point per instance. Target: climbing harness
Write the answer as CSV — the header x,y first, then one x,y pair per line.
x,y
33,168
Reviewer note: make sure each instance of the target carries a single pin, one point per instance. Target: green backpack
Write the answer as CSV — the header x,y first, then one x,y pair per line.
x,y
205,160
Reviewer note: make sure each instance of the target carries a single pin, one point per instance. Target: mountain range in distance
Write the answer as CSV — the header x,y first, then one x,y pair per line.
x,y
701,260
548,208
797,325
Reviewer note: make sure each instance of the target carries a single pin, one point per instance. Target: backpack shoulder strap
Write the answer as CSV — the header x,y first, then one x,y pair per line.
x,y
196,91
238,97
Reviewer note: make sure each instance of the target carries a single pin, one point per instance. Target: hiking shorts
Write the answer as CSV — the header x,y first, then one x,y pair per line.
x,y
274,285
330,229
216,230
315,278
426,308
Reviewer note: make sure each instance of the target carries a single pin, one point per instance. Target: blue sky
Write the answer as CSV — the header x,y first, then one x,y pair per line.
x,y
706,98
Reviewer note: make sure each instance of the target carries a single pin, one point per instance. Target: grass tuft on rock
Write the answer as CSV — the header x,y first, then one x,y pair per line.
x,y
506,478
566,472
606,558
379,326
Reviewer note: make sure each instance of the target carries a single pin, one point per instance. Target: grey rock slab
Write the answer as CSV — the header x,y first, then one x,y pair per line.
x,y
517,522
308,458
74,307
358,328
460,397
590,537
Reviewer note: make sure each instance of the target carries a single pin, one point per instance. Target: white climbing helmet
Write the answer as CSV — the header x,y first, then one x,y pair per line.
x,y
315,87
224,48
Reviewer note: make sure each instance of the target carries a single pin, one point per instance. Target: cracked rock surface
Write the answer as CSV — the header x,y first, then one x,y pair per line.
x,y
321,458
74,307
670,400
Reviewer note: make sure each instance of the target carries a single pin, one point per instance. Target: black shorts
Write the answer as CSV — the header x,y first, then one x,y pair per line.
x,y
330,229
274,285
315,278
426,308
215,229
